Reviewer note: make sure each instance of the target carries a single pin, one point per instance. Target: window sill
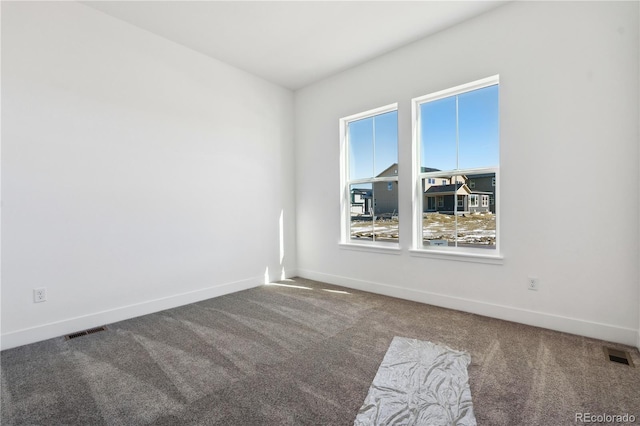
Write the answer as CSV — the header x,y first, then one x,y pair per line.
x,y
460,256
376,248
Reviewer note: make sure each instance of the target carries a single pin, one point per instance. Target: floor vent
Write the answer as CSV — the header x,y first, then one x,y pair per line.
x,y
85,332
620,357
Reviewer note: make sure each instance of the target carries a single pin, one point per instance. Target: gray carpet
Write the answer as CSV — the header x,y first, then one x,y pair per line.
x,y
278,355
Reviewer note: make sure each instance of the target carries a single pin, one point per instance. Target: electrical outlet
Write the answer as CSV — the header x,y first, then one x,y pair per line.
x,y
39,295
533,284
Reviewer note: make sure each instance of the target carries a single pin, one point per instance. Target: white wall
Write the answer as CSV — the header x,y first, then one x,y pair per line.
x,y
136,174
569,113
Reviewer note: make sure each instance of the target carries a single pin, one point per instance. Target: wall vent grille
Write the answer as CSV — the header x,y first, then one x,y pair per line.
x,y
618,356
85,332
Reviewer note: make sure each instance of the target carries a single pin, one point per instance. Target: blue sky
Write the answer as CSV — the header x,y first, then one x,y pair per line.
x,y
477,126
368,160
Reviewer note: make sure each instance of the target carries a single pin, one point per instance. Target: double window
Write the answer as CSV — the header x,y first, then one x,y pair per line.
x,y
455,172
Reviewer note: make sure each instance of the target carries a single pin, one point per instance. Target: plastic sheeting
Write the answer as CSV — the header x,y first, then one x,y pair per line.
x,y
419,383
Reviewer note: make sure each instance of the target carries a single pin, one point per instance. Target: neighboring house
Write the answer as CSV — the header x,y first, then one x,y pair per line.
x,y
453,194
445,196
386,193
471,194
361,200
484,184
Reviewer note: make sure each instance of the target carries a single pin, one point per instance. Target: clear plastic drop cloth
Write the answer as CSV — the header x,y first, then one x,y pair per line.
x,y
419,383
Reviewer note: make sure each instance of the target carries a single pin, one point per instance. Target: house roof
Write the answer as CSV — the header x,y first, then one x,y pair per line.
x,y
362,191
428,170
442,189
384,173
481,175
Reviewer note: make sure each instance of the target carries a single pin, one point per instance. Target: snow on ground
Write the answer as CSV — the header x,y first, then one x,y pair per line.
x,y
475,229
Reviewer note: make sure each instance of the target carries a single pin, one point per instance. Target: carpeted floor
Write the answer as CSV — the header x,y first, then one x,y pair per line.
x,y
281,355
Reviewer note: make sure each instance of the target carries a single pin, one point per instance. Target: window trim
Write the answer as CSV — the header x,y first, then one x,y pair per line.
x,y
345,183
464,256
417,246
457,90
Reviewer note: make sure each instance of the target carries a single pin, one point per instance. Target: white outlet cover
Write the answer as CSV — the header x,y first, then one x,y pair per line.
x,y
39,295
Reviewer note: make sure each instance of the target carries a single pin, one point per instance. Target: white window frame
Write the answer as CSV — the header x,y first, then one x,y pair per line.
x,y
473,200
454,253
345,184
485,201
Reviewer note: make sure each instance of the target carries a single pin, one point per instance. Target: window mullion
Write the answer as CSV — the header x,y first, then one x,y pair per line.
x,y
373,162
373,187
455,183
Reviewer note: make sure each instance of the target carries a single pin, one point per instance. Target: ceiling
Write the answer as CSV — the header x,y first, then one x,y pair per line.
x,y
293,43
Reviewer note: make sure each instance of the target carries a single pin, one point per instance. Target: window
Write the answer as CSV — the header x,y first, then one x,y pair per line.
x,y
431,203
456,134
369,176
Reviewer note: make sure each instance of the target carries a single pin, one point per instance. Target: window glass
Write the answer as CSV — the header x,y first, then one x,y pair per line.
x,y
386,141
438,128
478,128
361,224
361,149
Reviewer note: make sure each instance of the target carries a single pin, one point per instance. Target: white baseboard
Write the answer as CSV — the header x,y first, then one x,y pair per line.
x,y
60,328
610,333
